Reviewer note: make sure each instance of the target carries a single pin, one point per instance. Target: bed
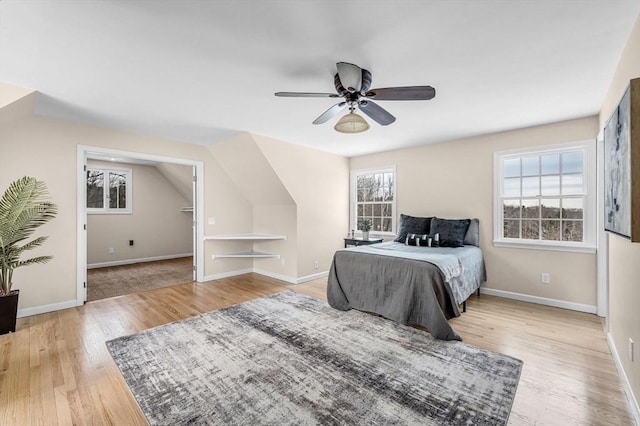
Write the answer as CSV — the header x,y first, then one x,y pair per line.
x,y
412,284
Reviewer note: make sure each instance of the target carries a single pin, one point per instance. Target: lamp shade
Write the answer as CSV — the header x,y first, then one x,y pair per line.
x,y
351,123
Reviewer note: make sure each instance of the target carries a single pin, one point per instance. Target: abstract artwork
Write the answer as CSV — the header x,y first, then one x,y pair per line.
x,y
622,166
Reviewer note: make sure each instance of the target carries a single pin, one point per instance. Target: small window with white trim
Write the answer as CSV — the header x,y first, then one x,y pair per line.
x,y
544,197
108,190
373,197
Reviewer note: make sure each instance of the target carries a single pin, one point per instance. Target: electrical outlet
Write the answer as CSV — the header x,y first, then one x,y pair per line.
x,y
315,264
545,278
111,250
630,349
212,221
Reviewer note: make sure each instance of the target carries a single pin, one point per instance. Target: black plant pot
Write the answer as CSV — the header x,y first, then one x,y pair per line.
x,y
9,312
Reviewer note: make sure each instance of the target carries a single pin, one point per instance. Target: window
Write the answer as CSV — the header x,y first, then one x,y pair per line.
x,y
373,198
545,197
108,190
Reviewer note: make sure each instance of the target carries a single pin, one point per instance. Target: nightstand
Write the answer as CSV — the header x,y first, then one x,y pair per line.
x,y
360,242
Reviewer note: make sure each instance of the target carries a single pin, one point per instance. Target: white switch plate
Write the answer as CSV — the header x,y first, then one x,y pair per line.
x,y
212,221
545,278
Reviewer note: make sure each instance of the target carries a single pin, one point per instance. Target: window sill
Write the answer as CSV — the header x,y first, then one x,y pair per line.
x,y
545,246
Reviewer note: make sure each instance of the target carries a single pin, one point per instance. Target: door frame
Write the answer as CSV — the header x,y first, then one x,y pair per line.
x,y
83,151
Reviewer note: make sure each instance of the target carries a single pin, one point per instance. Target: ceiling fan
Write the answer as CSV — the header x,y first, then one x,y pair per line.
x,y
354,85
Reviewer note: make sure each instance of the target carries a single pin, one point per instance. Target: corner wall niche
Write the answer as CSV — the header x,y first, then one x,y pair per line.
x,y
245,237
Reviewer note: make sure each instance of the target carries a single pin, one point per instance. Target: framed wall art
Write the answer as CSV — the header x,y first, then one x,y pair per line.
x,y
622,166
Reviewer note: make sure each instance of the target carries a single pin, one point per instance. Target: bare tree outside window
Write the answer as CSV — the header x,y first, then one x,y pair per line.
x,y
374,199
108,190
95,189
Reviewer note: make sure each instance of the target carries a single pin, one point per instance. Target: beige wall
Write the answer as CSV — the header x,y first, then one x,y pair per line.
x,y
624,256
46,148
319,185
455,180
156,224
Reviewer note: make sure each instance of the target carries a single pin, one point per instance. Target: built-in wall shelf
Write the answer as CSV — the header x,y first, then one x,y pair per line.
x,y
246,236
247,254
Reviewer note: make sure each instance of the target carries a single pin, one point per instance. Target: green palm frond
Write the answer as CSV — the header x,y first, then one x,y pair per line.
x,y
23,208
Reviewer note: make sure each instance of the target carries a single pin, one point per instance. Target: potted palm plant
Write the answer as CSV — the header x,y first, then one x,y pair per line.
x,y
365,227
23,208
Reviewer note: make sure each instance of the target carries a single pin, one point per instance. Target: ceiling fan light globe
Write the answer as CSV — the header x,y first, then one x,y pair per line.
x,y
351,123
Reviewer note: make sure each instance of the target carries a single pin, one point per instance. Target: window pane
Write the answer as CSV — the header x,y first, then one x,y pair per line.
x,y
377,209
511,228
386,210
360,210
572,230
572,162
117,190
95,189
572,184
511,187
531,209
550,185
530,186
531,166
359,221
361,195
550,230
531,229
377,224
511,209
550,164
511,168
572,208
386,225
550,209
389,185
368,210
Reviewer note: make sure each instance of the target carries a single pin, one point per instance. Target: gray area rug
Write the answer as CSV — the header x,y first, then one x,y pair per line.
x,y
290,359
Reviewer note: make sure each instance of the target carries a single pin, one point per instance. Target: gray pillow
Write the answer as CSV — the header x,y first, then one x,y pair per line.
x,y
452,231
412,225
472,237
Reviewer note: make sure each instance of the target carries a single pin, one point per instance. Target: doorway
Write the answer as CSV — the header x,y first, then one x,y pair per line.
x,y
127,251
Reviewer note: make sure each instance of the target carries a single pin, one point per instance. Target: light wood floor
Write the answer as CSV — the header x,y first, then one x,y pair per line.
x,y
56,369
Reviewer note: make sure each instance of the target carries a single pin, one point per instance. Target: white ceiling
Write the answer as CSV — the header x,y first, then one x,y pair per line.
x,y
202,71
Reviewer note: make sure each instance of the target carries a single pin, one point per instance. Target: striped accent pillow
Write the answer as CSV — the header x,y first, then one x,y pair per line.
x,y
423,240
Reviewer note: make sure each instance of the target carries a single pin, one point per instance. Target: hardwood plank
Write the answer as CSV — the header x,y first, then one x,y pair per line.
x,y
56,368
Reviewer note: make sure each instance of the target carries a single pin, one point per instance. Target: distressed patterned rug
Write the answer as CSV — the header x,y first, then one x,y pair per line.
x,y
290,359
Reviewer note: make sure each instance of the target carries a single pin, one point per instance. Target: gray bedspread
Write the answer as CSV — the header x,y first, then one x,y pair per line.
x,y
406,284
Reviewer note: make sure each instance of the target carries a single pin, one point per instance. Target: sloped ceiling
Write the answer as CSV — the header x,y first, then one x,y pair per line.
x,y
204,71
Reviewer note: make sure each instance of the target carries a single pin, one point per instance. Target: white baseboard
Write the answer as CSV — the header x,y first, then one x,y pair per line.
x,y
631,398
312,277
43,309
540,300
227,274
274,275
140,260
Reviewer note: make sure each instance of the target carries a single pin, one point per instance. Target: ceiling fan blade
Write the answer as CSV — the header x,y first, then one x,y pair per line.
x,y
306,95
350,76
408,93
330,113
376,112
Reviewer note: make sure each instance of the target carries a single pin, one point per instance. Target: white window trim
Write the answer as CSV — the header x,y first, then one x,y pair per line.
x,y
106,209
353,198
588,147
